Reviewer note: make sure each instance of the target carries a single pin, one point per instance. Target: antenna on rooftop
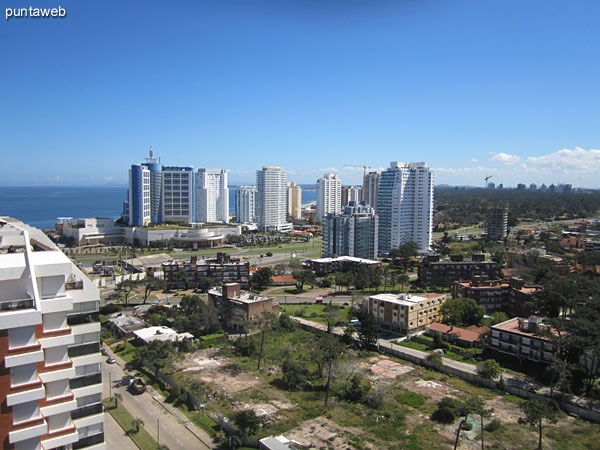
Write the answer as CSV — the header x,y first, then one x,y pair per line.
x,y
151,152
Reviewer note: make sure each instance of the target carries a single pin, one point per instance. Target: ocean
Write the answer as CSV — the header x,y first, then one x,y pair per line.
x,y
40,206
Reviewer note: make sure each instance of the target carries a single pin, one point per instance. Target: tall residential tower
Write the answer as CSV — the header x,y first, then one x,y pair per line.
x,y
405,206
271,196
51,379
212,196
329,195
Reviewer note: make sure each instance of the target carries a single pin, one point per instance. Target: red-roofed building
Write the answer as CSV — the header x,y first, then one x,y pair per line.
x,y
283,280
523,339
464,337
571,242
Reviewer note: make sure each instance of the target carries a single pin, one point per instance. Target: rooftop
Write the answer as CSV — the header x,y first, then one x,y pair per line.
x,y
345,258
531,327
406,299
464,334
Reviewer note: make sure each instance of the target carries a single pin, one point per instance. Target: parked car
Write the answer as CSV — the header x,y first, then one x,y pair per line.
x,y
111,360
103,351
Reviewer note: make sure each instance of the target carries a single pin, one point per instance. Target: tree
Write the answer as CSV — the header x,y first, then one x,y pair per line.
x,y
369,327
332,349
535,412
403,280
137,423
489,369
332,317
294,374
405,253
181,277
357,389
265,321
247,422
386,276
205,283
461,311
304,277
478,407
116,397
153,284
262,277
126,287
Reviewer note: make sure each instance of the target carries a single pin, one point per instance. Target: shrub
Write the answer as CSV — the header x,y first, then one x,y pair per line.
x,y
269,253
467,426
357,389
494,425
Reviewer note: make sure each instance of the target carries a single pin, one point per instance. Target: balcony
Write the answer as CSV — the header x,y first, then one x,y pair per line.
x,y
85,411
84,349
89,441
86,380
16,305
80,319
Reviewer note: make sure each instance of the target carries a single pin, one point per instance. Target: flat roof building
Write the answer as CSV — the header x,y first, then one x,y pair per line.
x,y
406,313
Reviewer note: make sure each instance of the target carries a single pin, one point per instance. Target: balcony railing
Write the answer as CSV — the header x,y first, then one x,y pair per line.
x,y
86,380
85,411
80,319
85,349
89,441
14,305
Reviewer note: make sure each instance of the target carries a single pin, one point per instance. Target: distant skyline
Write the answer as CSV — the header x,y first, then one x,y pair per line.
x,y
503,88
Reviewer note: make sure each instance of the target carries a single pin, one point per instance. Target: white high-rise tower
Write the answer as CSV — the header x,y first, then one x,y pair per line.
x,y
405,206
329,195
271,196
212,196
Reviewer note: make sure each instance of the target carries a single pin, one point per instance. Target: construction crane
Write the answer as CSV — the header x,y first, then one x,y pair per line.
x,y
364,168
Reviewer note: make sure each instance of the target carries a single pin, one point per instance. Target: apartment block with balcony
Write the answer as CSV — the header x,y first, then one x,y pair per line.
x,y
239,310
223,269
525,339
436,271
406,313
42,372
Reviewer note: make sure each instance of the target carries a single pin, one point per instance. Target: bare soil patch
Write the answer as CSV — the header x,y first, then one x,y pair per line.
x,y
321,433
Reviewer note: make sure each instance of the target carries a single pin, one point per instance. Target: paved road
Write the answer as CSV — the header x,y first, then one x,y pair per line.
x,y
175,430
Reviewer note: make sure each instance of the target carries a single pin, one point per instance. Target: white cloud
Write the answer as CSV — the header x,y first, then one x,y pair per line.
x,y
505,158
566,161
474,160
329,170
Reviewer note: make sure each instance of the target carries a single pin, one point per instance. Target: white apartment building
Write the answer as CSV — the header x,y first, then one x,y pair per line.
x,y
329,196
212,196
245,204
178,194
294,201
50,382
405,206
271,199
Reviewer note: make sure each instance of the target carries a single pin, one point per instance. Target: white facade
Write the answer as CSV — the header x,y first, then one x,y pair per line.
x,y
178,194
294,201
92,230
405,206
271,199
139,201
245,204
212,196
46,307
329,196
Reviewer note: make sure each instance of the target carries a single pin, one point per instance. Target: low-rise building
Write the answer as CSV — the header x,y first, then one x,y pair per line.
x,y
160,333
522,298
523,339
93,230
436,271
406,313
240,310
493,295
223,269
125,326
324,266
463,337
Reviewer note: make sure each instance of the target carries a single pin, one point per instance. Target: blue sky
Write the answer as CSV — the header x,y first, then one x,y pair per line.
x,y
473,87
